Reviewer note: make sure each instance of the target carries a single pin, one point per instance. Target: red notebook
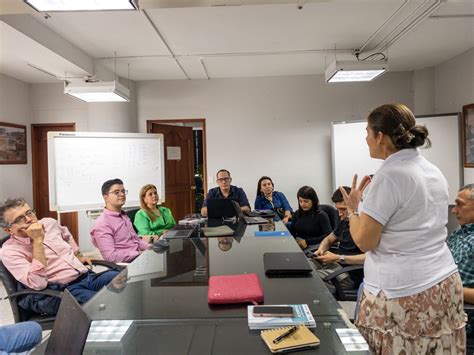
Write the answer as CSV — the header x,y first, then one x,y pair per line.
x,y
234,289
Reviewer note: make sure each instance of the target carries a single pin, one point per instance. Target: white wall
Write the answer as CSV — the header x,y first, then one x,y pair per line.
x,y
454,88
15,179
50,105
276,126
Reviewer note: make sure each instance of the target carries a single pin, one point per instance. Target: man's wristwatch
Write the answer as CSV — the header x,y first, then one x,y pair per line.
x,y
342,259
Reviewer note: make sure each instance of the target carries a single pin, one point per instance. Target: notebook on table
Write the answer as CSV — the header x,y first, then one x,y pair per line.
x,y
286,264
180,232
301,339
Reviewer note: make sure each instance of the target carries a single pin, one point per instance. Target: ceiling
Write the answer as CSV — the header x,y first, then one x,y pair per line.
x,y
206,39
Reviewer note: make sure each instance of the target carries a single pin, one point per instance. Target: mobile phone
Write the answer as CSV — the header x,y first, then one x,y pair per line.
x,y
273,311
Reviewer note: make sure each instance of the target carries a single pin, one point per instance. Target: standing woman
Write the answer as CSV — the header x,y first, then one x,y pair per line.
x,y
152,219
269,199
412,298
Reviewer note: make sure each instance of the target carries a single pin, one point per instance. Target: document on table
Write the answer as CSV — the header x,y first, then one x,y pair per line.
x,y
352,339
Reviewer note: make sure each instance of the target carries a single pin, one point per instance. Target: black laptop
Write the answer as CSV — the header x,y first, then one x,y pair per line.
x,y
70,328
246,219
286,264
220,208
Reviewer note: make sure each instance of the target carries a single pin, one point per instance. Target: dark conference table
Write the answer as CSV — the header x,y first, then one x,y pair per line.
x,y
164,293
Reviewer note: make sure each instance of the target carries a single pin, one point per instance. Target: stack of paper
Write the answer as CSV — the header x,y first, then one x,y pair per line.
x,y
302,315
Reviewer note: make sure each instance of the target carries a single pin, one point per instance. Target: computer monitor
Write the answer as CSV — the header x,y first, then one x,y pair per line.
x,y
70,328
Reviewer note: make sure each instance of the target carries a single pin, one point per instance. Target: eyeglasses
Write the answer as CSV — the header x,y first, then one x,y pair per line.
x,y
225,179
21,219
118,192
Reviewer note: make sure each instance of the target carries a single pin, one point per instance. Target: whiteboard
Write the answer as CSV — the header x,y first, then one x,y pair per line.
x,y
350,153
80,162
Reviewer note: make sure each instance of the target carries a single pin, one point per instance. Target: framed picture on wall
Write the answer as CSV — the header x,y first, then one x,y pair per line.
x,y
12,143
468,135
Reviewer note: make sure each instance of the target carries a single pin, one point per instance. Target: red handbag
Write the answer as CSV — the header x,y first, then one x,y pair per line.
x,y
229,289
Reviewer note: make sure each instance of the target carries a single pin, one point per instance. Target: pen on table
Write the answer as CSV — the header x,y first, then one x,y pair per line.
x,y
285,334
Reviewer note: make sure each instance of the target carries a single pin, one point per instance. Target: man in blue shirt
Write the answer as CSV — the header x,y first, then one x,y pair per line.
x,y
226,191
461,244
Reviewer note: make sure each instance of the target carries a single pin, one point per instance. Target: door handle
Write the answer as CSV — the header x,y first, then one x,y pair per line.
x,y
193,187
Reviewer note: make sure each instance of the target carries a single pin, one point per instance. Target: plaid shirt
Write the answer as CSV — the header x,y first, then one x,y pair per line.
x,y
461,244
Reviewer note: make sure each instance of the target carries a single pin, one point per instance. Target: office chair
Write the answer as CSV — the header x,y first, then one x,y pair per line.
x,y
469,308
357,274
14,296
131,212
332,214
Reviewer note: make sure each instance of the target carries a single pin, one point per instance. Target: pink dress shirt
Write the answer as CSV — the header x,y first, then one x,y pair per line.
x,y
59,248
114,236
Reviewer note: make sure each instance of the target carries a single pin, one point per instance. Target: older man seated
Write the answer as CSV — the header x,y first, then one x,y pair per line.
x,y
461,244
43,254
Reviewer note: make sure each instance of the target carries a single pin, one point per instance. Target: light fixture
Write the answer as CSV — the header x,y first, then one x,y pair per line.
x,y
100,91
82,5
362,70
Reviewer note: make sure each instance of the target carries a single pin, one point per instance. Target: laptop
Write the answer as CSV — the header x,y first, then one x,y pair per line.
x,y
286,264
70,328
220,208
180,232
246,219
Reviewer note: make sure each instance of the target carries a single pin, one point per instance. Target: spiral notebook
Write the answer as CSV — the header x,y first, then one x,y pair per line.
x,y
299,340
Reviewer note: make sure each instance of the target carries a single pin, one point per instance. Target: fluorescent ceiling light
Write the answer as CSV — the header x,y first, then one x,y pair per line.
x,y
82,5
349,71
101,91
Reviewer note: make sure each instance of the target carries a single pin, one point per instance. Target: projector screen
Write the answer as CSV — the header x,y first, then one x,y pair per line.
x,y
80,162
350,154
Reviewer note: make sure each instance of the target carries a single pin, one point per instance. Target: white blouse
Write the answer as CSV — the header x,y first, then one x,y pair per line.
x,y
409,196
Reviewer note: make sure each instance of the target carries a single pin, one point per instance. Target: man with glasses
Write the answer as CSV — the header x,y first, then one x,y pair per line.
x,y
113,232
43,254
226,190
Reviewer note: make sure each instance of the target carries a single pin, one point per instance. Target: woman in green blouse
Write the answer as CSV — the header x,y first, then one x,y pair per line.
x,y
152,219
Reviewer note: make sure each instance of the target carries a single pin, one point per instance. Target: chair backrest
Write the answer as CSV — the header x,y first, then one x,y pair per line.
x,y
332,214
131,214
10,284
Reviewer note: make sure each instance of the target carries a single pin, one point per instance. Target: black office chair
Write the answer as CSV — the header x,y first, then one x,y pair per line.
x,y
14,296
469,308
357,275
131,212
332,213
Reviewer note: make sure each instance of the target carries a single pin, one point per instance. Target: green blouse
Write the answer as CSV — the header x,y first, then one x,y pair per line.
x,y
146,226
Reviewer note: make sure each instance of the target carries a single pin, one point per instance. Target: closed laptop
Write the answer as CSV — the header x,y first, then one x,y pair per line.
x,y
286,264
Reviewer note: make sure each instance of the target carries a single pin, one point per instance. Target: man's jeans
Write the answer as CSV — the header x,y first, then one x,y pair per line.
x,y
20,337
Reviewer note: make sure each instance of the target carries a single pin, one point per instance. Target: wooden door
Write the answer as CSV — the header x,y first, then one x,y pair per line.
x,y
179,173
39,149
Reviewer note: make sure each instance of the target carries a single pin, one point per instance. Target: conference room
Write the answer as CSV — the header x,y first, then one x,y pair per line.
x,y
219,84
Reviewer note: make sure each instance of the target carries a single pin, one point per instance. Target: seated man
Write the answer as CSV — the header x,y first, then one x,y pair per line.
x,y
43,254
348,253
226,190
19,337
461,244
113,232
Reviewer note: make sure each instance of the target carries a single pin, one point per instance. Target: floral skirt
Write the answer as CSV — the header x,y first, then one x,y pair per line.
x,y
430,322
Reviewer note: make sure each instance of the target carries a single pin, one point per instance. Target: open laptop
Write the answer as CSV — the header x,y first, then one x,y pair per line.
x,y
246,219
286,264
180,232
220,208
70,328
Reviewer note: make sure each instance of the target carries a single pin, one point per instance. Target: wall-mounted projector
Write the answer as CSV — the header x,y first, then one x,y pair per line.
x,y
100,91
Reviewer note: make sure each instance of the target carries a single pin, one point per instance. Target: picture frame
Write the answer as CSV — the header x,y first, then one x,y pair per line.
x,y
12,143
468,135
